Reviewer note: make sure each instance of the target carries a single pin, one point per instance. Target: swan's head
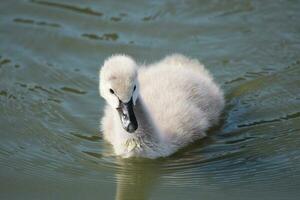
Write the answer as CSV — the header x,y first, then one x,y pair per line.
x,y
119,87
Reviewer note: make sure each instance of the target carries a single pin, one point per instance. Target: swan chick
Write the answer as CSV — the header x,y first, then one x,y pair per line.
x,y
152,111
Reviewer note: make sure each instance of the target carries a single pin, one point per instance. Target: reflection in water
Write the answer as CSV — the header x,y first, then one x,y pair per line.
x,y
135,179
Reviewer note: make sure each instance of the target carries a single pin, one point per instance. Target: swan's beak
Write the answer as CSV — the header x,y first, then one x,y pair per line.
x,y
127,116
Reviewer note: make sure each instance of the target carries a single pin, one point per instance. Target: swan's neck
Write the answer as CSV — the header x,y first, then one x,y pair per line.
x,y
145,138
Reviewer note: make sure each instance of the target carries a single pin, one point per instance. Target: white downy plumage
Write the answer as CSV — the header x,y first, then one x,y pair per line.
x,y
174,102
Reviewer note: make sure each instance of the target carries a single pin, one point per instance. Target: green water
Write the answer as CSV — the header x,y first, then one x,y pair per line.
x,y
50,55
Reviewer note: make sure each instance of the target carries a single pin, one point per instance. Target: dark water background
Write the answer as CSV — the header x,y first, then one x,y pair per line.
x,y
50,54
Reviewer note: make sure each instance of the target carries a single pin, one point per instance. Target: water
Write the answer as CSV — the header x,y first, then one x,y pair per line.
x,y
50,54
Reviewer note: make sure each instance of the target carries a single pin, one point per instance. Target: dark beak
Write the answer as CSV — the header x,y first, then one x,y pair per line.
x,y
127,116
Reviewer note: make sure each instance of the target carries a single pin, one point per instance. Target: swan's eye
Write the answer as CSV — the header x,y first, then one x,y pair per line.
x,y
134,88
111,91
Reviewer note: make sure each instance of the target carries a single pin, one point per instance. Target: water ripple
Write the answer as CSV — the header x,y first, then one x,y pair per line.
x,y
73,8
73,90
40,23
106,36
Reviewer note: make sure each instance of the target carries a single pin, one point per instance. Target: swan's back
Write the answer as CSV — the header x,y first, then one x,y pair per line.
x,y
181,96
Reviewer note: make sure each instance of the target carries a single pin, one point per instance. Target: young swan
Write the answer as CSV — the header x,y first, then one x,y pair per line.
x,y
154,110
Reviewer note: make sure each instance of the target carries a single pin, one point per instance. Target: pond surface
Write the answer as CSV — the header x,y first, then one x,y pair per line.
x,y
50,55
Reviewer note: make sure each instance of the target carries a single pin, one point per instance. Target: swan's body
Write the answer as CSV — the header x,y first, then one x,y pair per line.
x,y
176,101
